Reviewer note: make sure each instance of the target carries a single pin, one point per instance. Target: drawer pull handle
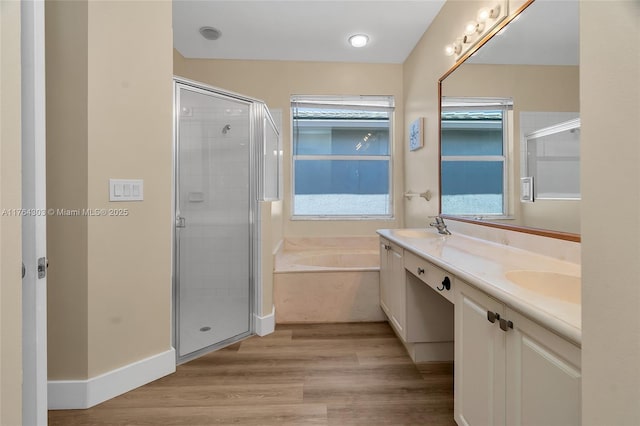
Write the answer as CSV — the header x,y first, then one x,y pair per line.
x,y
420,271
446,284
505,325
492,317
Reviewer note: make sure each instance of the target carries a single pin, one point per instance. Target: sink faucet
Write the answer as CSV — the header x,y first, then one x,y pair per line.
x,y
440,225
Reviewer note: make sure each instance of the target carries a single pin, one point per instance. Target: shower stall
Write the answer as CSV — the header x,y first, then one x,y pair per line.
x,y
227,160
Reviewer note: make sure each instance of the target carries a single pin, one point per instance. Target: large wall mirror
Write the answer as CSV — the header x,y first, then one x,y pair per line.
x,y
510,126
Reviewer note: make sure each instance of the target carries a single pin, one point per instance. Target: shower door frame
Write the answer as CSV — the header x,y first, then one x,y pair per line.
x,y
255,115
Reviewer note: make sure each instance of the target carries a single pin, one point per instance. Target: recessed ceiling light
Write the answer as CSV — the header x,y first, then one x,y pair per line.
x,y
359,40
210,33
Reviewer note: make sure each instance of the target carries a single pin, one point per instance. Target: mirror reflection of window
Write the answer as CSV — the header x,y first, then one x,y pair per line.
x,y
474,156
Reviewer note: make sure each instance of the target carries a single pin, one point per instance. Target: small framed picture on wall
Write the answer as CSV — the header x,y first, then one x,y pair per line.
x,y
416,134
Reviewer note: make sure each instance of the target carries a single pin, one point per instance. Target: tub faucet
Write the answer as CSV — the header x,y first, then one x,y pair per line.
x,y
440,225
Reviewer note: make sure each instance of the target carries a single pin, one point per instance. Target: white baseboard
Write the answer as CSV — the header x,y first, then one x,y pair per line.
x,y
267,324
80,394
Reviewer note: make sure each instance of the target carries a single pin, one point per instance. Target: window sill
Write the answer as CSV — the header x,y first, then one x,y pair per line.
x,y
482,218
343,218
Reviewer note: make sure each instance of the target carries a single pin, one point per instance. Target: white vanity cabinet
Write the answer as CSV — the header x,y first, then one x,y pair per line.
x,y
543,378
508,369
392,285
479,362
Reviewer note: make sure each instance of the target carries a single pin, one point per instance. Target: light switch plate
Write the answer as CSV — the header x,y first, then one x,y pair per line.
x,y
126,190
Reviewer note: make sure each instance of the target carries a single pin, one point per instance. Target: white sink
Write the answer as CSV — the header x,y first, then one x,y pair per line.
x,y
415,233
551,284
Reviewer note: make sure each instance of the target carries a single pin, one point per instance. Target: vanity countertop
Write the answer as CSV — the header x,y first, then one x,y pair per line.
x,y
543,288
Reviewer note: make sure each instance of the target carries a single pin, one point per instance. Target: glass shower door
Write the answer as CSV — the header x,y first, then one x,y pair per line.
x,y
213,226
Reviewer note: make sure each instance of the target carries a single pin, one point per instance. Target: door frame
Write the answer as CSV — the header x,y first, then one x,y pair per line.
x,y
34,220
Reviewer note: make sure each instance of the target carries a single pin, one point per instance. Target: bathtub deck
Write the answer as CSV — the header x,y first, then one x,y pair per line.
x,y
327,280
326,374
317,297
297,254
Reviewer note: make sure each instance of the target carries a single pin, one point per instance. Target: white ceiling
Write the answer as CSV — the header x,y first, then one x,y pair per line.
x,y
302,30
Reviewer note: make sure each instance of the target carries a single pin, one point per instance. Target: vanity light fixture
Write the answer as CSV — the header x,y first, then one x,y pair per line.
x,y
359,40
486,19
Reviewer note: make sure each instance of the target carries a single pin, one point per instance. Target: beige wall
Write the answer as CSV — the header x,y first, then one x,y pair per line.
x,y
67,187
533,88
109,106
610,108
558,215
274,82
10,225
421,71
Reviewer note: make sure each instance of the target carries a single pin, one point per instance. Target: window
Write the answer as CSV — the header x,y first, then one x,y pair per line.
x,y
473,154
342,156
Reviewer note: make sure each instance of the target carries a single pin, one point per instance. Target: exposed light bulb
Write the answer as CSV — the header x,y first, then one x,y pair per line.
x,y
453,48
484,14
470,28
487,13
449,50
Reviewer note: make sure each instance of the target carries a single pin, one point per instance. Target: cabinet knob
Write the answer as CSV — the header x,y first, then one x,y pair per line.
x,y
420,271
505,325
446,284
492,317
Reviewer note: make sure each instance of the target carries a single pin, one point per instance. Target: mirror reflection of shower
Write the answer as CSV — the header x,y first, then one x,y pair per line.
x,y
226,129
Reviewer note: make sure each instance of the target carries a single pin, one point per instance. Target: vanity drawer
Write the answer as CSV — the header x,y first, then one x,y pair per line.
x,y
430,274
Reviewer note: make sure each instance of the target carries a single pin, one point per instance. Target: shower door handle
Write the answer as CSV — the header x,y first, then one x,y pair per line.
x,y
181,222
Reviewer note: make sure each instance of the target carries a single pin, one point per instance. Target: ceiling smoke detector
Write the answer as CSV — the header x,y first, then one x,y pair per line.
x,y
210,33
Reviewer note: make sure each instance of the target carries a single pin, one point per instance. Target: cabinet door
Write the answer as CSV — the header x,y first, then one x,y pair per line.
x,y
398,291
385,277
393,286
479,365
543,376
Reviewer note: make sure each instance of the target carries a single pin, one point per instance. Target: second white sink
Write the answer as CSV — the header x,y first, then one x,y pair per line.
x,y
551,284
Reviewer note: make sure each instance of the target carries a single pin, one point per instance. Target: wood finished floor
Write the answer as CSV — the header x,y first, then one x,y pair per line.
x,y
317,374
